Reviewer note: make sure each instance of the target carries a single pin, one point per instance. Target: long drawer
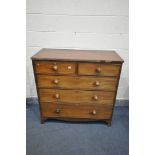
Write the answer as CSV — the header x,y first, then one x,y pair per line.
x,y
76,96
72,111
72,82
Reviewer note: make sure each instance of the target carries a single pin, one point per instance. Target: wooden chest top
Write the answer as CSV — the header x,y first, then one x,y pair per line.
x,y
78,55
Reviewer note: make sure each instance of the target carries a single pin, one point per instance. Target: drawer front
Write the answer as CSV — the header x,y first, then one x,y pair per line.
x,y
76,96
87,83
73,111
99,69
49,67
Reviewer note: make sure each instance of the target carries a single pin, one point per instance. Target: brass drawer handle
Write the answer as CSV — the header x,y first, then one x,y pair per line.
x,y
57,96
98,70
56,81
97,83
55,67
94,112
95,97
57,110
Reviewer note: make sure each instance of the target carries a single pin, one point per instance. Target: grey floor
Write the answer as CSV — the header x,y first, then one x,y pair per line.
x,y
61,138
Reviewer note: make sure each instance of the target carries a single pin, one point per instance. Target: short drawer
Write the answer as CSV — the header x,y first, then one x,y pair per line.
x,y
76,96
54,67
99,69
72,82
73,111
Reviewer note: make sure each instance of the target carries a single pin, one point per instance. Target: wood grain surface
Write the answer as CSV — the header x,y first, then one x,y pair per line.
x,y
72,111
73,82
78,55
98,69
51,67
76,96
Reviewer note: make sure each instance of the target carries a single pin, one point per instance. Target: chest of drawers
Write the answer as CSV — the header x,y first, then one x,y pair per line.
x,y
76,85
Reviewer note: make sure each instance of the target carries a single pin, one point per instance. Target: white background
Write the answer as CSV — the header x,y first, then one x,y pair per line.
x,y
78,24
13,77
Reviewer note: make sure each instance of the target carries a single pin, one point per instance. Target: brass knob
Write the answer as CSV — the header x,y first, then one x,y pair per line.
x,y
94,112
56,81
57,110
97,83
98,70
69,67
95,97
57,96
55,67
38,64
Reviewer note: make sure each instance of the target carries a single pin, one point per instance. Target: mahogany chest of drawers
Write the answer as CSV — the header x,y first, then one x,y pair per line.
x,y
76,85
